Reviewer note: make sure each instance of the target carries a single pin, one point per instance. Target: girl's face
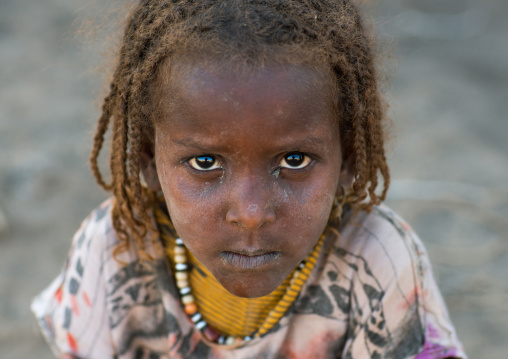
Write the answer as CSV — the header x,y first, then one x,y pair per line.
x,y
249,168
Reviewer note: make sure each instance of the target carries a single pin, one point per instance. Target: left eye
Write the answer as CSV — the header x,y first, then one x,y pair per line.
x,y
204,163
295,161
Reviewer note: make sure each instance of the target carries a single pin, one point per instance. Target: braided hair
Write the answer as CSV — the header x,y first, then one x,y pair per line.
x,y
250,32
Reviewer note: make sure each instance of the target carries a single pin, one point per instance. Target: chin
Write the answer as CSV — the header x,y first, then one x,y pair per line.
x,y
250,288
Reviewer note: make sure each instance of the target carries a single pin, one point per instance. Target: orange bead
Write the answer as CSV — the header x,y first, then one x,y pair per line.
x,y
190,308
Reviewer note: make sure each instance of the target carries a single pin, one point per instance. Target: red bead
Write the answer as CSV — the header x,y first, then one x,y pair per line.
x,y
210,334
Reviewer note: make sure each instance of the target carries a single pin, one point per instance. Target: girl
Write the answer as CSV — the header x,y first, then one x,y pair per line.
x,y
246,148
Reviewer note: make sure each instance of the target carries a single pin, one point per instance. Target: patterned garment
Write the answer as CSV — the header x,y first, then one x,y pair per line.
x,y
371,295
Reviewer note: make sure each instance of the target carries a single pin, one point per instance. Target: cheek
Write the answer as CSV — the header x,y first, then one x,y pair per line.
x,y
169,185
191,207
306,208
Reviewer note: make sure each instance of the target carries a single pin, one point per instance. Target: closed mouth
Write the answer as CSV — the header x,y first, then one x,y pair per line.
x,y
245,260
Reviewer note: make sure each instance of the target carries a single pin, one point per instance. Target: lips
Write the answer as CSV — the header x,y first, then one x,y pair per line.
x,y
249,260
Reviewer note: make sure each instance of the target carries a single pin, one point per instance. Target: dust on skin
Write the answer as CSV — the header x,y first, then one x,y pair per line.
x,y
247,127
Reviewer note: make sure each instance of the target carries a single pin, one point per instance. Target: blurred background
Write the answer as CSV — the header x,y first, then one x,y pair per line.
x,y
448,153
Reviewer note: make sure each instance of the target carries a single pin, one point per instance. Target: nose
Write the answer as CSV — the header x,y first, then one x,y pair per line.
x,y
252,203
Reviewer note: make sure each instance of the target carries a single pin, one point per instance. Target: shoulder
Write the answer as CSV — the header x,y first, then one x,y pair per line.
x,y
386,260
96,233
384,241
383,260
395,305
132,288
126,279
97,237
72,309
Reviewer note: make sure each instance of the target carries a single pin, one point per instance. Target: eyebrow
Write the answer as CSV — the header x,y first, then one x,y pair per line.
x,y
308,141
191,143
314,140
201,146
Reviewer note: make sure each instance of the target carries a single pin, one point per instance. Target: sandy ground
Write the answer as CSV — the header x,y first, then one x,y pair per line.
x,y
449,153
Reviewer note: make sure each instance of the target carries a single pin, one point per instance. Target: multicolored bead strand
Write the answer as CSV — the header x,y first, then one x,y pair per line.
x,y
182,279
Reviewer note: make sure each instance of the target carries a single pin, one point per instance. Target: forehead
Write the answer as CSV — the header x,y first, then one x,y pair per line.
x,y
268,95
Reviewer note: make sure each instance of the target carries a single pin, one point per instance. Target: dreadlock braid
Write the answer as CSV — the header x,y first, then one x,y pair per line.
x,y
239,32
102,126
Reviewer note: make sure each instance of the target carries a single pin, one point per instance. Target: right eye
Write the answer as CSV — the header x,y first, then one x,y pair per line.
x,y
295,161
204,163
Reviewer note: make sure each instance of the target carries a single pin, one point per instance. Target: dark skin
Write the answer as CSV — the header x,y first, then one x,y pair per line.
x,y
249,168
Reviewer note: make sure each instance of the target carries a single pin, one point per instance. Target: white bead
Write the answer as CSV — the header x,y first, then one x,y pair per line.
x,y
200,325
181,276
187,299
196,317
180,258
230,340
179,250
185,290
179,242
182,284
181,266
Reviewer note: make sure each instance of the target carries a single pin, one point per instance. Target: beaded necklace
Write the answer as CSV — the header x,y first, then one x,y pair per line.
x,y
298,278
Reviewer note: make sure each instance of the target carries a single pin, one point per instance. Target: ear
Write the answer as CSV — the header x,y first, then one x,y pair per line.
x,y
346,174
149,170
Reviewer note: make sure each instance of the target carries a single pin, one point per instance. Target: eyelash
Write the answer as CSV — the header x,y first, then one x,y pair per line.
x,y
306,158
192,162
